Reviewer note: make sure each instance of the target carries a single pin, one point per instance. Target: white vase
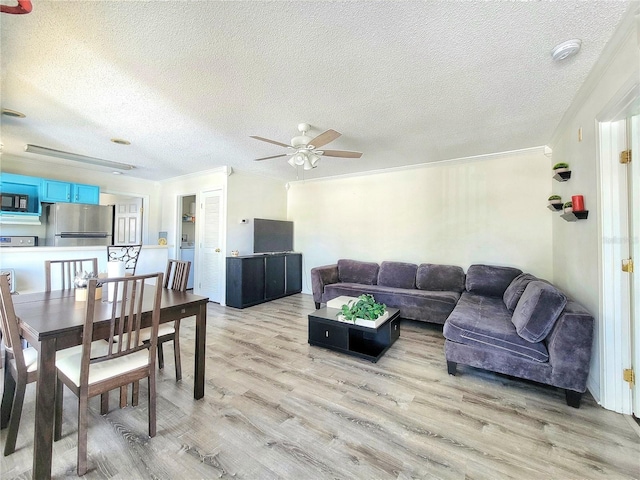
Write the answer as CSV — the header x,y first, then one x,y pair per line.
x,y
568,210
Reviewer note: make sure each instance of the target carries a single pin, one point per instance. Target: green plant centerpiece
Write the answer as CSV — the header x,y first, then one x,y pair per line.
x,y
365,307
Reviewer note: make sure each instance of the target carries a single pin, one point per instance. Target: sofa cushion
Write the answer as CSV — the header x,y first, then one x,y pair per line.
x,y
353,271
485,321
515,290
397,274
538,309
440,278
490,280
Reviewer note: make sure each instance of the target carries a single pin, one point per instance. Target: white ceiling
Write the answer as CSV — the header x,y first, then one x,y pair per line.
x,y
188,82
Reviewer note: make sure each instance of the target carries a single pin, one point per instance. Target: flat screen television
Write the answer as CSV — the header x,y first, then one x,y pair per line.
x,y
272,236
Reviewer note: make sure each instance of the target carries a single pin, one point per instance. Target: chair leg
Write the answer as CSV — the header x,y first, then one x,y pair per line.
x,y
83,404
14,422
135,393
160,355
57,429
104,403
151,395
7,395
176,355
123,396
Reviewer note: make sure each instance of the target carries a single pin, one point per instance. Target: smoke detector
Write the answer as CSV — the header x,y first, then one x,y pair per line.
x,y
565,49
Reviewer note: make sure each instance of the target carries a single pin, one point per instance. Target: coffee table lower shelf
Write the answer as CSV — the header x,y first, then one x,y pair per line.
x,y
363,342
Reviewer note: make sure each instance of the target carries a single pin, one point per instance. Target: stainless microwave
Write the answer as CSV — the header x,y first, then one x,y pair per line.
x,y
15,202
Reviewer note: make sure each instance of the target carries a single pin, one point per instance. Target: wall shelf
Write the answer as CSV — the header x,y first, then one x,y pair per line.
x,y
555,207
574,216
562,176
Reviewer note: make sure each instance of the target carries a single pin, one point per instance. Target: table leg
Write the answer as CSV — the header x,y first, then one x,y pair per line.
x,y
45,406
201,335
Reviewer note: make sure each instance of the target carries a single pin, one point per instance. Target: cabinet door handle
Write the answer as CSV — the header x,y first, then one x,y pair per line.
x,y
326,333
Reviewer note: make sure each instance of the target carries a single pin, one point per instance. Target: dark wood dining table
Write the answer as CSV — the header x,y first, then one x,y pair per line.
x,y
52,321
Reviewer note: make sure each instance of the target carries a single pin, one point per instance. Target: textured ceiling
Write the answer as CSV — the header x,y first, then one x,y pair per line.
x,y
188,82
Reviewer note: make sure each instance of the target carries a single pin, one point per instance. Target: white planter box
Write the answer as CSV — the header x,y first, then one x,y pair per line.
x,y
366,323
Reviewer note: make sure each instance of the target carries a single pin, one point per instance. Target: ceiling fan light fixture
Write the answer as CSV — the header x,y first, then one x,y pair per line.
x,y
292,162
299,158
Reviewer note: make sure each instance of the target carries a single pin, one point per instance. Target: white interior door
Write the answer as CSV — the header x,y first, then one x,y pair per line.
x,y
127,228
210,253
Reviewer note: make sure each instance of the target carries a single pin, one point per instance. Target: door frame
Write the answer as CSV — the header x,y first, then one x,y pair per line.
x,y
146,199
615,305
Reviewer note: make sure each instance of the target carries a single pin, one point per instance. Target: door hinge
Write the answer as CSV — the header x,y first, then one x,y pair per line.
x,y
627,265
625,156
628,375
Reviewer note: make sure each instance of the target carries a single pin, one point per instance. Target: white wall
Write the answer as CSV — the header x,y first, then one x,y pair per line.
x,y
487,210
108,183
249,197
576,245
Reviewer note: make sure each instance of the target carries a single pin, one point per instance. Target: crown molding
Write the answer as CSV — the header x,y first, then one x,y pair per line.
x,y
453,161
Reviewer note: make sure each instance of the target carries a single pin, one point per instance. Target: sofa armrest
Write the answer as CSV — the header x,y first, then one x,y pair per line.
x,y
321,276
569,344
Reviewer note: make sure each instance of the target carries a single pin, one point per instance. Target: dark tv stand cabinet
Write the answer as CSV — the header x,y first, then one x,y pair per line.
x,y
254,279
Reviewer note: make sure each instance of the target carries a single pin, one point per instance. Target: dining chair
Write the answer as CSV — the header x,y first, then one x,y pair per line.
x,y
20,368
125,253
89,373
67,271
175,278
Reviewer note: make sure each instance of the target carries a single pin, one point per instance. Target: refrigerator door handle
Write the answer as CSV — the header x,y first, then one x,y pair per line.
x,y
83,235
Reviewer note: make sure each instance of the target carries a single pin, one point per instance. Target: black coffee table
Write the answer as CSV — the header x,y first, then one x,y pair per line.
x,y
364,342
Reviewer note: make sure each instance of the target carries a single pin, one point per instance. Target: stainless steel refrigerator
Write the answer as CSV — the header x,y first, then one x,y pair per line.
x,y
78,224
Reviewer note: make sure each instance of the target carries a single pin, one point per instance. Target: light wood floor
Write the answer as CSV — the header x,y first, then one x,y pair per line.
x,y
276,407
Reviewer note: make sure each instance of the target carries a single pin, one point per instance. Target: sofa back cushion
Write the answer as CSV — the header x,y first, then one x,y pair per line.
x,y
515,290
490,280
440,278
397,274
537,311
353,271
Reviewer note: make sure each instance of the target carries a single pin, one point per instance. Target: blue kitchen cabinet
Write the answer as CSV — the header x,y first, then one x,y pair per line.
x,y
55,191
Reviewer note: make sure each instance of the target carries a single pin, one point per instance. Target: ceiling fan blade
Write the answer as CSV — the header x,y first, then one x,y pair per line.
x,y
274,156
270,141
324,138
341,153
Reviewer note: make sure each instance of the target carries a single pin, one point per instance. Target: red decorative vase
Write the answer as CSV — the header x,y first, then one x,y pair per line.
x,y
578,203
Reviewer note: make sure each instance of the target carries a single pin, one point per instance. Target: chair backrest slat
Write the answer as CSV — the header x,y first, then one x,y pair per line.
x,y
68,271
177,275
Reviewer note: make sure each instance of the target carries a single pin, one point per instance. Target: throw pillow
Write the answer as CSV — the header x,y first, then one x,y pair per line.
x,y
515,290
537,311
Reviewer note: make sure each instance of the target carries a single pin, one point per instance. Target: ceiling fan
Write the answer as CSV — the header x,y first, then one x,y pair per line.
x,y
305,150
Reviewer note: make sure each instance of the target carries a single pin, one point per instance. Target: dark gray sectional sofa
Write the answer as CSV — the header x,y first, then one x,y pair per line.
x,y
427,292
495,318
